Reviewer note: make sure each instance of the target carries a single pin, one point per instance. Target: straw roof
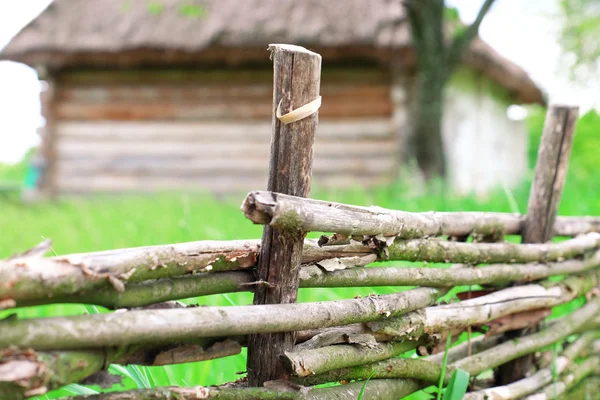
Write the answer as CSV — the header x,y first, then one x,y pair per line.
x,y
168,32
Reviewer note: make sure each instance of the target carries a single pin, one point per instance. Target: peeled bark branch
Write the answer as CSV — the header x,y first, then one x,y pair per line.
x,y
483,309
515,348
324,216
169,326
31,279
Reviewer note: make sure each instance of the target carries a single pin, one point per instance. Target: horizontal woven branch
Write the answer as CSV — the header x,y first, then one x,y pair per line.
x,y
290,212
31,279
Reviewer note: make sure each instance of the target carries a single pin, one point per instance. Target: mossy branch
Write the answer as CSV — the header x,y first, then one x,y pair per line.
x,y
263,207
540,378
176,325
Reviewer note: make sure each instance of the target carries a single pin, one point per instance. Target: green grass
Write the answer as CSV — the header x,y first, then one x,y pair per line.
x,y
81,225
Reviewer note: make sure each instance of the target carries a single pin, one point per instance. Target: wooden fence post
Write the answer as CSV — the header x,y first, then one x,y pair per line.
x,y
544,198
297,76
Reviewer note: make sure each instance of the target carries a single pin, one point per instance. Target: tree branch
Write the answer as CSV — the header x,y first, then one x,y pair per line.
x,y
317,361
435,250
515,348
538,380
460,43
262,207
483,309
176,325
27,372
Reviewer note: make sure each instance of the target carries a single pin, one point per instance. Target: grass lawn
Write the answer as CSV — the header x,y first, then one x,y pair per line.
x,y
81,225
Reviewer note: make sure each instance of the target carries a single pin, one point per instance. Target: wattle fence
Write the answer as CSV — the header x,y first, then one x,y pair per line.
x,y
294,347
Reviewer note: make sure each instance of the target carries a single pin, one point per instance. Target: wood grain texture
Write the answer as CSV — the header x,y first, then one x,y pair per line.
x,y
134,131
48,135
544,198
297,77
550,173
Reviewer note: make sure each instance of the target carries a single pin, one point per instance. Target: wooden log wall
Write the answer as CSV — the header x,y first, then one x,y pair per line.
x,y
210,130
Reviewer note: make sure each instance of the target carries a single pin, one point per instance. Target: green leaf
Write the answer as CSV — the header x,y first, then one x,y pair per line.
x,y
91,309
444,366
362,390
79,390
458,385
138,374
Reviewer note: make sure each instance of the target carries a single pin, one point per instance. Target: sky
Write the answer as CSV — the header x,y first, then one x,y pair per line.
x,y
525,31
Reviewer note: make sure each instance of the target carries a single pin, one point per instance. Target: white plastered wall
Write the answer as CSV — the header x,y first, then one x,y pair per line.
x,y
484,148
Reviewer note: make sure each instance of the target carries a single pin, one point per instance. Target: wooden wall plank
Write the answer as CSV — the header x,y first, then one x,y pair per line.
x,y
218,166
134,131
250,109
222,76
121,184
323,148
208,92
149,130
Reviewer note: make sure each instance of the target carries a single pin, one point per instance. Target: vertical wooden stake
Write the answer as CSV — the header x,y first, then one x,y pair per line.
x,y
297,76
544,197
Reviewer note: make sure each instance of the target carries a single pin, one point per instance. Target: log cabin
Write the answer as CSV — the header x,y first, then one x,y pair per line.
x,y
164,95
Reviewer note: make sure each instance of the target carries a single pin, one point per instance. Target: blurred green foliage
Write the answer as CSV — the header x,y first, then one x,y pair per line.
x,y
579,37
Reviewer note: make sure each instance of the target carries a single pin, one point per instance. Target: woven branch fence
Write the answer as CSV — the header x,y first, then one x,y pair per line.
x,y
294,347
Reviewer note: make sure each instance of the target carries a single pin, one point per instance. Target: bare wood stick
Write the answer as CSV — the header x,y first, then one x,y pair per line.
x,y
478,311
275,209
472,312
297,78
325,216
176,325
544,198
541,378
550,173
516,348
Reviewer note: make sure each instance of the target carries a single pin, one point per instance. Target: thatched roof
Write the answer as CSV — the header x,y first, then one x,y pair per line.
x,y
162,32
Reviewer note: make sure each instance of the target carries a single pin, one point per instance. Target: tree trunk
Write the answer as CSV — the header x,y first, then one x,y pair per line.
x,y
427,134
